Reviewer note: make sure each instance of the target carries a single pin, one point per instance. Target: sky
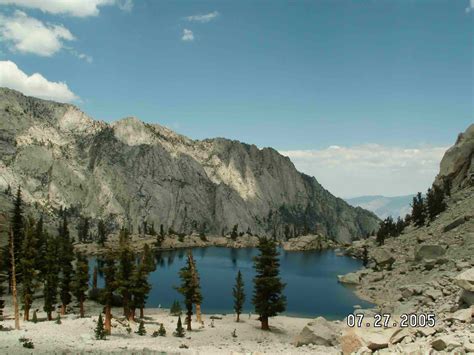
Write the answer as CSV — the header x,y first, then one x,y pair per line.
x,y
367,91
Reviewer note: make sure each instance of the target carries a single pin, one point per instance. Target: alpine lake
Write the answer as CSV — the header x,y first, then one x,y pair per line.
x,y
312,288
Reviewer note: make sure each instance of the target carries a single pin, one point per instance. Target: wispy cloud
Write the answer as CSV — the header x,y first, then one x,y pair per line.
x,y
34,85
470,7
203,18
28,35
188,35
78,8
370,169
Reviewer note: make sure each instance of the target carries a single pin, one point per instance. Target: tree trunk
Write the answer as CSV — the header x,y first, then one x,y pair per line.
x,y
141,313
108,320
238,317
63,309
15,299
26,315
264,321
50,317
81,308
198,313
131,315
188,321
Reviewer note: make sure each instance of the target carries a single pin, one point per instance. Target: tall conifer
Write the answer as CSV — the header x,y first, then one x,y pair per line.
x,y
239,295
268,297
27,267
51,278
66,256
80,283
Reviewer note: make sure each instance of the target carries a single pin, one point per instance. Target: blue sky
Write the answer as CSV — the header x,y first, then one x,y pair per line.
x,y
297,76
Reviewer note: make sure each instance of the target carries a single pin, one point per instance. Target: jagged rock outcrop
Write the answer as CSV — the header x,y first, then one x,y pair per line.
x,y
457,164
130,172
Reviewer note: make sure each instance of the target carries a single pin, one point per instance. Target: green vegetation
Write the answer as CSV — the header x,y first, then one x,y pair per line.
x,y
239,295
100,333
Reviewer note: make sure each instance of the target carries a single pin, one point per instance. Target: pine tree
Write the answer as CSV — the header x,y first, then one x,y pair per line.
x,y
197,298
140,288
268,298
175,309
125,271
162,330
66,256
83,230
101,233
58,319
239,295
94,278
35,316
27,266
51,278
234,234
80,283
17,226
179,329
148,259
418,210
189,288
40,238
141,328
100,333
435,202
13,278
109,289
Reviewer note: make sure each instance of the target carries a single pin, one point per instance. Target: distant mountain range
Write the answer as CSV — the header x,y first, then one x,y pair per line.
x,y
384,206
132,173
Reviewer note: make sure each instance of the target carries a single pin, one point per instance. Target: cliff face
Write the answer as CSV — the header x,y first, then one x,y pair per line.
x,y
457,164
129,172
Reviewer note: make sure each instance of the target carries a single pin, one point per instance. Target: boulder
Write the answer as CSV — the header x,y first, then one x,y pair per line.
x,y
445,342
433,294
410,290
465,280
457,222
429,252
382,258
350,342
467,297
351,278
463,315
401,334
318,332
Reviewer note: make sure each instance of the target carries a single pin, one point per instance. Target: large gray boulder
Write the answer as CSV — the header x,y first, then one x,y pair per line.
x,y
429,252
382,258
318,332
465,280
352,278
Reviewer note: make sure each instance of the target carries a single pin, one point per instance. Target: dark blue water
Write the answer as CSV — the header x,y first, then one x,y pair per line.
x,y
311,280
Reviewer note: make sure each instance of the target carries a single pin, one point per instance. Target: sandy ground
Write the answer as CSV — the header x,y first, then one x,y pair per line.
x,y
76,335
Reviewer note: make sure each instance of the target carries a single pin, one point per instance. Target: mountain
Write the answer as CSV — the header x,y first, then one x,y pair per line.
x,y
382,206
130,172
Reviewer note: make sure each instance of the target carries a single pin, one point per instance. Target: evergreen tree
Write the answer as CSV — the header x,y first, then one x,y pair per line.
x,y
17,226
66,256
234,234
40,246
83,230
80,283
268,297
27,266
162,330
109,289
141,328
179,329
196,284
94,278
58,319
190,288
100,333
418,210
51,278
35,316
365,256
3,278
140,288
148,259
126,269
239,295
175,309
435,202
101,233
447,185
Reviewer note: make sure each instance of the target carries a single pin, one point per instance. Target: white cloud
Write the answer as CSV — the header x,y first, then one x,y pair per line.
x,y
34,85
470,7
370,169
203,18
78,8
29,35
188,35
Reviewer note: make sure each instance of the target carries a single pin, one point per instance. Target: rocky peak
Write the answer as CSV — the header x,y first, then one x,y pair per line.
x,y
457,164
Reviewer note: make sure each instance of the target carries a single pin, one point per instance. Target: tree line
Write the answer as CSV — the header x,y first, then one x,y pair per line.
x,y
424,210
36,260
